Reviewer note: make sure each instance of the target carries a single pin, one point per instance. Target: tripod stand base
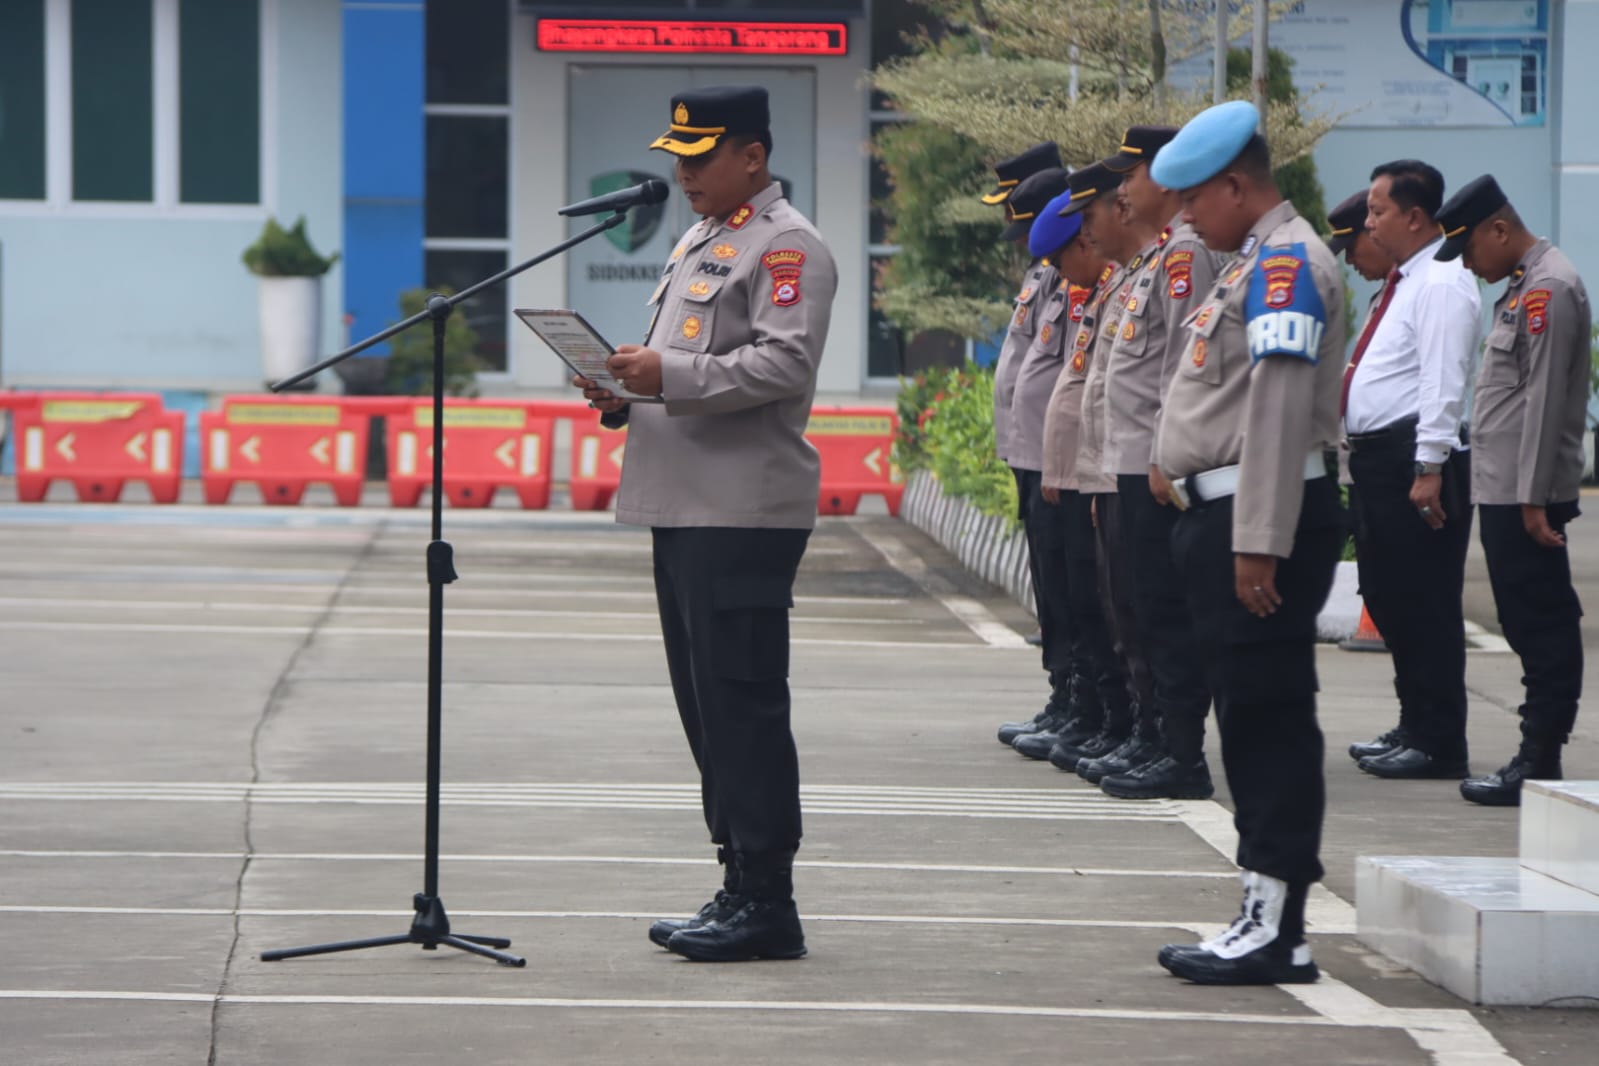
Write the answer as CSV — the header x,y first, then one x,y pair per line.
x,y
430,928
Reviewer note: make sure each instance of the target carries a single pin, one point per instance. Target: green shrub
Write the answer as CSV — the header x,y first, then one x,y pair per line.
x,y
410,370
286,253
946,417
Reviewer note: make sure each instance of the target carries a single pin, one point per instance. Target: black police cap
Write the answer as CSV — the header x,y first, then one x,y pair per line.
x,y
1087,184
1474,204
1346,221
1139,145
1029,198
702,117
1013,171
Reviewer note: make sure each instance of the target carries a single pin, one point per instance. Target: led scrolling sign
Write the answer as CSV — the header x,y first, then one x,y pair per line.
x,y
727,38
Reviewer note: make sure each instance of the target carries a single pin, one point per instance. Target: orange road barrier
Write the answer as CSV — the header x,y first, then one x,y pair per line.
x,y
282,444
99,442
855,444
488,444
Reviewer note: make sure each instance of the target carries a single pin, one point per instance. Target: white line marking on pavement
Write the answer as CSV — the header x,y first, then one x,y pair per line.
x,y
617,860
1451,1037
1479,639
678,1005
978,619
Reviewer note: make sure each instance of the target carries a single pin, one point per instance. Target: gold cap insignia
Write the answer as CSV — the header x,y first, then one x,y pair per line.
x,y
680,116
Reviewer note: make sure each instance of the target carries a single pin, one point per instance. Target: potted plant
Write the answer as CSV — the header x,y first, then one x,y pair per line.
x,y
291,298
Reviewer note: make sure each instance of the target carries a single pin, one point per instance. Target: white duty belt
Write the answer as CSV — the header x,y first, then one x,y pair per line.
x,y
1208,485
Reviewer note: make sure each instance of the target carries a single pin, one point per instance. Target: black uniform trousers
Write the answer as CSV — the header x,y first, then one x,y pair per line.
x,y
724,596
1116,593
1262,674
1539,613
1411,577
1044,525
1166,631
1093,650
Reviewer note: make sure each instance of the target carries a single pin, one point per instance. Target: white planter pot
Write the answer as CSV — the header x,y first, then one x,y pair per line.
x,y
291,325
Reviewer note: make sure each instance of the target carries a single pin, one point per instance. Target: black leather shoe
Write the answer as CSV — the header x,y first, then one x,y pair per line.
x,y
1273,964
1502,788
1389,741
1100,744
1009,731
1135,751
721,907
1163,778
1415,764
757,929
1037,745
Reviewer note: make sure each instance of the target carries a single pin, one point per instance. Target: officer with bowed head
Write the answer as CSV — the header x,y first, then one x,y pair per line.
x,y
1243,439
1347,236
722,474
1529,414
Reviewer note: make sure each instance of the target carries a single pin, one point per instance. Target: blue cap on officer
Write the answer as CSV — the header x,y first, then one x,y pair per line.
x,y
1052,231
1205,145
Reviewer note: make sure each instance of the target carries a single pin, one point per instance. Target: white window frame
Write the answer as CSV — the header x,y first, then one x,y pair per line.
x,y
165,117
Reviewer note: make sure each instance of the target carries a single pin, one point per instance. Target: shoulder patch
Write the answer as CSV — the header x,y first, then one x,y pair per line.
x,y
786,266
1283,310
741,217
1179,274
1079,301
1536,301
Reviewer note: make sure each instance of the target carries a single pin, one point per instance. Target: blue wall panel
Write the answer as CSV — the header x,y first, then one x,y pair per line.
x,y
384,83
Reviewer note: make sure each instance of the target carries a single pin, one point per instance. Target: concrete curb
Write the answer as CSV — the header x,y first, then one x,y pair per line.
x,y
987,547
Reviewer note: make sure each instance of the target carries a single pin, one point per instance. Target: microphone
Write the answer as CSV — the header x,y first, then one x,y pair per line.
x,y
650,192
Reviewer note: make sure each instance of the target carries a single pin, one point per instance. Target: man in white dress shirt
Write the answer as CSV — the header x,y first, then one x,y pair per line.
x,y
1404,398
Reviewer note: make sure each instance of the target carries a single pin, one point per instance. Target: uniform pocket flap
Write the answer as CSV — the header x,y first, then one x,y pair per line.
x,y
703,290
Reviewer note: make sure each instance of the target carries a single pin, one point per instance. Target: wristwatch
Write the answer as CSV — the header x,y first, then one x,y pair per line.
x,y
1427,469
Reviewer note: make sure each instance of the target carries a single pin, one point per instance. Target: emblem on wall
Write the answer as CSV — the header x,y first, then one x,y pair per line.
x,y
642,222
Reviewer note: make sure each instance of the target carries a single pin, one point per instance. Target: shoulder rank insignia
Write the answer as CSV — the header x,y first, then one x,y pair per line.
x,y
1537,303
1165,235
1137,262
724,251
1249,245
741,217
1105,275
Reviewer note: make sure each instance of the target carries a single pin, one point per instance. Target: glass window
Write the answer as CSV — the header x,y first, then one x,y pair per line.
x,y
885,343
22,100
219,101
487,311
468,57
467,163
112,104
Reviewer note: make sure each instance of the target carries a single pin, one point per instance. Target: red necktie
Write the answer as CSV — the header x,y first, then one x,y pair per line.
x,y
1388,288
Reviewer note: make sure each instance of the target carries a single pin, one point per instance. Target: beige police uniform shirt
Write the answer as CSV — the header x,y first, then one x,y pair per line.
x,y
1036,286
740,319
1092,474
1063,418
1058,317
1532,386
1178,270
1259,380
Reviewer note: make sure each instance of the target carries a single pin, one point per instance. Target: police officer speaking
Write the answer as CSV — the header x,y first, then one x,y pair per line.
x,y
722,474
1247,419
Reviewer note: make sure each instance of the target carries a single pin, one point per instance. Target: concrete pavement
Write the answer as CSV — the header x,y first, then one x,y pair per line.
x,y
213,737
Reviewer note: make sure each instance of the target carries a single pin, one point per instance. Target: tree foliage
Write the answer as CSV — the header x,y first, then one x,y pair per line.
x,y
999,81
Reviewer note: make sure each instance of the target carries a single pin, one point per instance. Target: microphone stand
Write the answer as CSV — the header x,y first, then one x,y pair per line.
x,y
431,926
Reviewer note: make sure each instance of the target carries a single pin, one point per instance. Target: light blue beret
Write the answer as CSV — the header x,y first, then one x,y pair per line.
x,y
1050,232
1203,148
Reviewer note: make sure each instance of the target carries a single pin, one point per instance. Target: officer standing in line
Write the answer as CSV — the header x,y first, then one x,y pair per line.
x,y
1177,273
721,472
1093,651
1137,742
1530,410
1349,238
1404,400
1248,417
1040,278
1032,379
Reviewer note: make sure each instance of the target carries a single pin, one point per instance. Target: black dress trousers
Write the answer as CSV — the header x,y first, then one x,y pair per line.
x,y
1117,582
724,596
1044,524
1411,577
1093,650
1540,615
1262,674
1161,612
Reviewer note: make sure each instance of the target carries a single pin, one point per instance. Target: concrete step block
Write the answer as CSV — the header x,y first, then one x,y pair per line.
x,y
1560,831
1489,930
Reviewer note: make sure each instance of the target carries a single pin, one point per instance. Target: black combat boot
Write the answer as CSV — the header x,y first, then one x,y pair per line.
x,y
1134,752
720,906
1162,778
763,923
1538,760
1009,731
1265,945
1392,740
